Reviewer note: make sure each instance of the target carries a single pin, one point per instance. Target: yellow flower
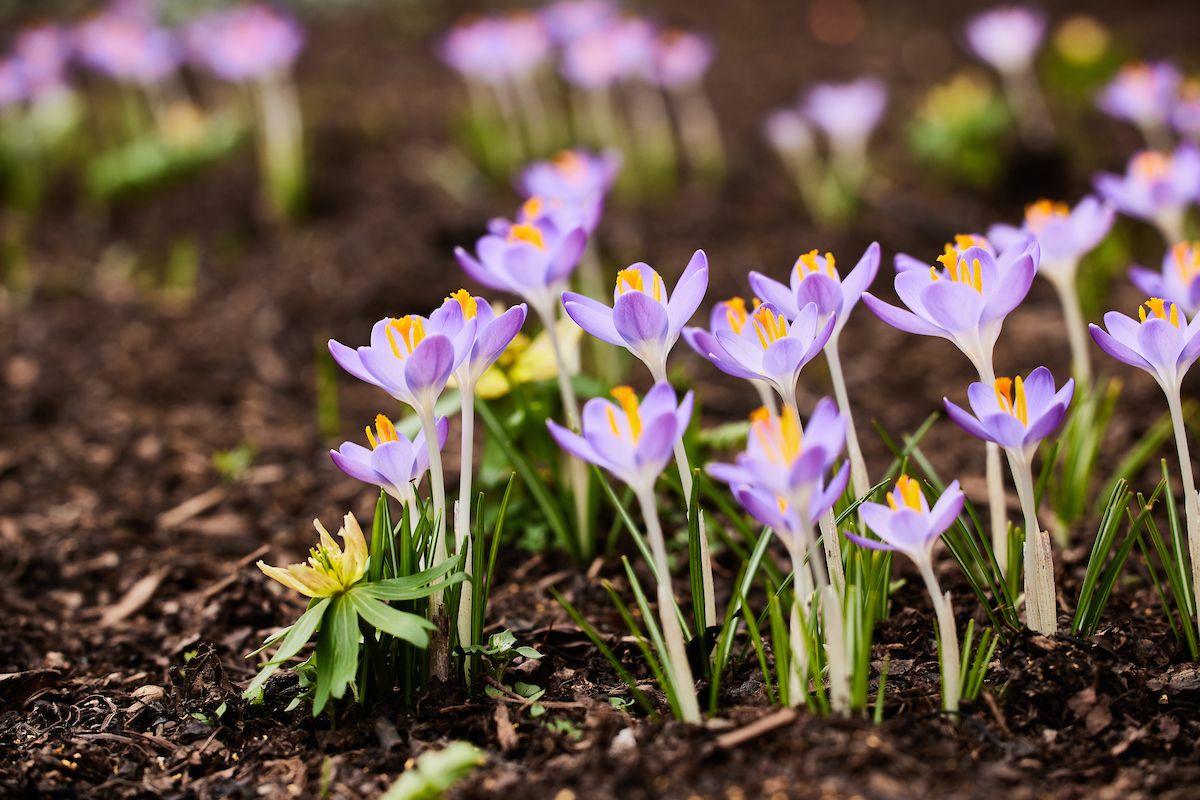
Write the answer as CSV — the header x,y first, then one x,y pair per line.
x,y
330,569
530,361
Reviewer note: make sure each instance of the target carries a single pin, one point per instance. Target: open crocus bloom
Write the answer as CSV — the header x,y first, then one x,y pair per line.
x,y
815,279
633,440
1014,413
532,260
903,262
1063,235
1156,187
393,463
1177,282
847,113
907,524
785,461
1142,93
1006,38
493,332
410,358
644,318
1161,341
965,301
574,178
728,315
330,569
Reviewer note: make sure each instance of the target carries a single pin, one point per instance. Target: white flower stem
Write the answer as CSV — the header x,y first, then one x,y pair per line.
x,y
1041,605
281,144
766,397
576,469
859,478
676,656
1077,335
948,634
462,519
995,486
1191,504
802,592
439,648
1171,225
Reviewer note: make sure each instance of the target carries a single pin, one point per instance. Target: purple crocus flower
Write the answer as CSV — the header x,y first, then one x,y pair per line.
x,y
497,50
1178,281
13,89
43,52
782,460
965,301
392,462
1142,93
815,279
1014,413
245,43
1007,38
493,332
644,317
680,58
532,260
567,20
410,358
729,316
573,179
1157,187
1186,114
621,50
127,47
903,262
1161,342
1063,235
789,132
633,440
847,113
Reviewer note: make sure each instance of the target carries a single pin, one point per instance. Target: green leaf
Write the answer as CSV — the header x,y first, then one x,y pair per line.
x,y
337,652
414,586
297,636
382,617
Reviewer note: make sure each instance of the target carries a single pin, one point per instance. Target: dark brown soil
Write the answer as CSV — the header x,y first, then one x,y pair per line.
x,y
127,599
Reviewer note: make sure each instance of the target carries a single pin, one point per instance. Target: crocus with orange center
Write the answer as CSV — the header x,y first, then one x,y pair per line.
x,y
1157,187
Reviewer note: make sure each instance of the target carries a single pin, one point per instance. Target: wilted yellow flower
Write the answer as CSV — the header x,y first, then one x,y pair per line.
x,y
330,569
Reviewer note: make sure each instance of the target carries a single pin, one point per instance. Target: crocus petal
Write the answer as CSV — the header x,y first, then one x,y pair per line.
x,y
492,339
822,291
878,518
1161,343
772,291
348,359
593,316
570,249
574,444
395,461
862,276
1011,290
478,272
946,509
639,318
656,443
1044,425
762,507
825,500
1039,390
967,422
355,460
430,364
903,262
689,292
900,318
870,544
1006,430
783,359
954,307
1118,350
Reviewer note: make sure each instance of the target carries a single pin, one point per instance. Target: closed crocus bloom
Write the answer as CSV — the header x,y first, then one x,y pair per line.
x,y
1178,281
645,317
1157,187
532,260
245,43
1007,38
127,47
847,113
492,332
331,569
1161,341
411,358
1015,413
1142,93
965,301
680,58
572,178
1064,235
392,462
815,279
632,439
789,132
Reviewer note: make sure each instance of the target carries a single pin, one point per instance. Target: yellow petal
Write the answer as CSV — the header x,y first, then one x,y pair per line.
x,y
286,578
492,384
318,583
354,560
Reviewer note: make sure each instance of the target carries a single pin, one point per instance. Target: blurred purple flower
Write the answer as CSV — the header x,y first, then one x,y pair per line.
x,y
1014,413
1186,115
493,332
532,260
1007,38
907,524
847,113
621,50
393,462
1179,280
1156,187
644,318
815,279
1162,342
1063,235
789,132
574,181
567,20
43,52
633,440
680,58
497,50
127,47
246,42
1142,93
13,89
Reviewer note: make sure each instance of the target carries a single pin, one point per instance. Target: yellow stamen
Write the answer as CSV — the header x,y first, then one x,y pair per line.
x,y
530,234
532,208
907,493
1158,310
780,437
956,269
469,306
1005,388
1038,214
628,400
631,279
769,326
1187,260
411,331
384,431
735,313
571,164
808,264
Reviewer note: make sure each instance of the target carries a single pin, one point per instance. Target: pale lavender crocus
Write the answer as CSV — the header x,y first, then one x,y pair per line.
x,y
494,51
573,179
1179,280
245,43
731,316
634,440
392,462
1143,93
128,47
847,113
1064,235
1007,38
1157,187
1017,415
781,480
43,52
620,50
1163,343
680,58
645,318
815,279
908,525
567,20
